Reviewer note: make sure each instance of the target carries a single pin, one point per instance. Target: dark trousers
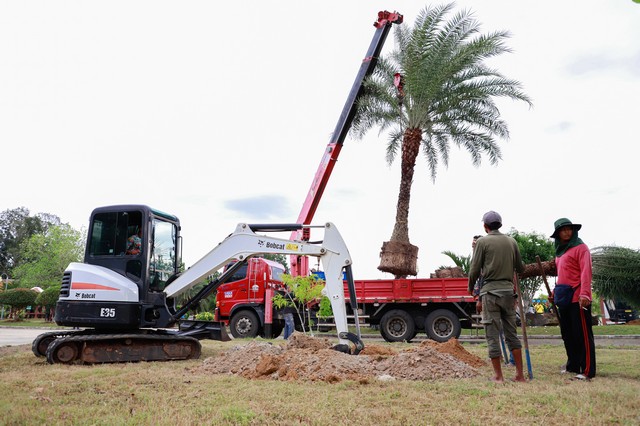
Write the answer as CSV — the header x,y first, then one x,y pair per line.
x,y
289,325
577,334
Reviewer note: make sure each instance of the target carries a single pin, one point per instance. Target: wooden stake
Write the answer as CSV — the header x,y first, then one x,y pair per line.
x,y
523,323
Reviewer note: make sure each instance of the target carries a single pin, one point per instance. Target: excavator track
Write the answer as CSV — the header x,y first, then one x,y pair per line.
x,y
42,342
129,347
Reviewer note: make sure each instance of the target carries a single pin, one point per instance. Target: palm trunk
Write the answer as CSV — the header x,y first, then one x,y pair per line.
x,y
398,256
533,270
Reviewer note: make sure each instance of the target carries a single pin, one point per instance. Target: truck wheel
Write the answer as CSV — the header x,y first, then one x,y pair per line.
x,y
397,326
442,325
244,324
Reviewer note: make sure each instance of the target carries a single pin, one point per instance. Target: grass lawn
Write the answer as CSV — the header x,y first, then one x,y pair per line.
x,y
33,392
601,330
30,323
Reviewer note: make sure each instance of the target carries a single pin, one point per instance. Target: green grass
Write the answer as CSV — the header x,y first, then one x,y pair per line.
x,y
601,330
33,392
30,323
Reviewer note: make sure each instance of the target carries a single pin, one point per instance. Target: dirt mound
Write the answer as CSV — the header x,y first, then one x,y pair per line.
x,y
454,348
312,359
634,322
302,341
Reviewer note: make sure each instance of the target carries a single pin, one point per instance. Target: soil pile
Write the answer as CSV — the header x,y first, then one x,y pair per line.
x,y
312,359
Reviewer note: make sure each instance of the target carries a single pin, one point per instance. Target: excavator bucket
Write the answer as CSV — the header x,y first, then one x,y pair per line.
x,y
204,330
219,332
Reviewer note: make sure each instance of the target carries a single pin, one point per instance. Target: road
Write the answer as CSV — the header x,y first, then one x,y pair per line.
x,y
12,336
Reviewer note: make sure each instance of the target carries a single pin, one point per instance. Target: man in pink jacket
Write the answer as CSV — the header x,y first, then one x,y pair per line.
x,y
572,295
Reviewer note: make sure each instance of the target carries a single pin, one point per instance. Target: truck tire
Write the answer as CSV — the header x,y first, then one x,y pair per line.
x,y
244,324
397,326
442,325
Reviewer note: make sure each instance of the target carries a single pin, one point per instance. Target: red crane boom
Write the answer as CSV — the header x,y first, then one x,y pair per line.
x,y
300,264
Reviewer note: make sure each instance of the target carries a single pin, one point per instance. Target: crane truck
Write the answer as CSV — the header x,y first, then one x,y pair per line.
x,y
123,296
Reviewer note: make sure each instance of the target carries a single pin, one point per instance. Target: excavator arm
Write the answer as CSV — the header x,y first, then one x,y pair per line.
x,y
244,243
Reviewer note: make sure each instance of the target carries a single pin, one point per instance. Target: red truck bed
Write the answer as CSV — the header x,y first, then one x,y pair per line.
x,y
420,290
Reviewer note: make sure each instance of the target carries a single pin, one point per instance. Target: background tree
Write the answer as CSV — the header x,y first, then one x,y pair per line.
x,y
208,304
616,274
45,256
445,93
18,299
16,227
531,245
48,299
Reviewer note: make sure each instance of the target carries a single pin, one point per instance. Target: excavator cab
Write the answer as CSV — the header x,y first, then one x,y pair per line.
x,y
132,251
137,242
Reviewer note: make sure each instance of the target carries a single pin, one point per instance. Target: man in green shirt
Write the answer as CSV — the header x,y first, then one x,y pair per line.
x,y
497,257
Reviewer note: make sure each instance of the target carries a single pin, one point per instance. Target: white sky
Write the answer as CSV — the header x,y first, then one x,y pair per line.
x,y
221,116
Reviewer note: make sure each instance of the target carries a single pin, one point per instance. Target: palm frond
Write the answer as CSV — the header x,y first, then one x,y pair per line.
x,y
616,273
450,91
463,262
395,139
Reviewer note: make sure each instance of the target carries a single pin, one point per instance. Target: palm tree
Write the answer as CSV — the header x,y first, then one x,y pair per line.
x,y
443,93
462,262
615,273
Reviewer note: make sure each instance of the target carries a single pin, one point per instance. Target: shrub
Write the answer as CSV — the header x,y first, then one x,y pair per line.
x,y
204,316
18,299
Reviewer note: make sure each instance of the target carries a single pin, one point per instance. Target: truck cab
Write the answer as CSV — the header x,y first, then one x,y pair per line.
x,y
240,302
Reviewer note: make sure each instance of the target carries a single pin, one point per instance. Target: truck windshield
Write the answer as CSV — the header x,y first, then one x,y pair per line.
x,y
239,274
276,273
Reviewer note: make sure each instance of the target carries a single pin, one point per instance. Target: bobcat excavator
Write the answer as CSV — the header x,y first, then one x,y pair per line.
x,y
122,298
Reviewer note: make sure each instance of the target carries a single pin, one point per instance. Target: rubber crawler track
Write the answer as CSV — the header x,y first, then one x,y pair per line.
x,y
114,348
41,343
